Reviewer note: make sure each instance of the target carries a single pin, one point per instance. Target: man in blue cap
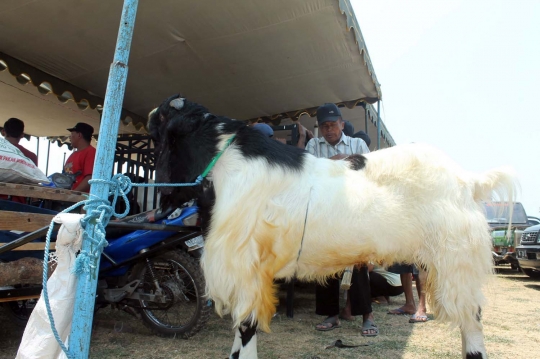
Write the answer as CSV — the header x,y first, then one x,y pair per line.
x,y
264,129
336,145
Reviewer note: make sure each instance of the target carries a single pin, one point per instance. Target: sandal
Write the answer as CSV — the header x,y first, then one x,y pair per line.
x,y
418,318
368,326
329,323
399,311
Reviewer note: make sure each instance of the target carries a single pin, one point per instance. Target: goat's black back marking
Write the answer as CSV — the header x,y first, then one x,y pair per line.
x,y
475,355
254,144
357,161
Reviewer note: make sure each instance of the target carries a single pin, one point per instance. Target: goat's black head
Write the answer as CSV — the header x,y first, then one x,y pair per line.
x,y
186,137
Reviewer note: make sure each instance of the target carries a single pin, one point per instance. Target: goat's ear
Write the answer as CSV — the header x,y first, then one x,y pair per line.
x,y
177,103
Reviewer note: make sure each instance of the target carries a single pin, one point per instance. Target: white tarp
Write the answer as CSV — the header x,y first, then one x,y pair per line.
x,y
38,341
240,58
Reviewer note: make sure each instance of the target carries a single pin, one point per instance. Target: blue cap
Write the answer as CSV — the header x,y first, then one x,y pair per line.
x,y
328,112
264,129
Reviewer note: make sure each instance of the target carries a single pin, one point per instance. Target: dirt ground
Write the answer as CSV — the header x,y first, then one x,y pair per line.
x,y
511,327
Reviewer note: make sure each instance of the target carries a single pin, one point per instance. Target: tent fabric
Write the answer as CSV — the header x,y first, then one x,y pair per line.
x,y
241,58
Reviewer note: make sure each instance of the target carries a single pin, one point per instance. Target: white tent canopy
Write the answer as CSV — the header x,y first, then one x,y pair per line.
x,y
241,58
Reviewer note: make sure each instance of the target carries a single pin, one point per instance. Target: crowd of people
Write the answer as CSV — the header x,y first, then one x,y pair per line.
x,y
79,164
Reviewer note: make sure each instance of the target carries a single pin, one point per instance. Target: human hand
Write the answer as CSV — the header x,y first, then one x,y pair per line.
x,y
339,156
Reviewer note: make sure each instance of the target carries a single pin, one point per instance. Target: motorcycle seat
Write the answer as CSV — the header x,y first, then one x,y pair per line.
x,y
152,216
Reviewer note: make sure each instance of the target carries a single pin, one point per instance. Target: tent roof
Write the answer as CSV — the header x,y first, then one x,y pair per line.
x,y
240,58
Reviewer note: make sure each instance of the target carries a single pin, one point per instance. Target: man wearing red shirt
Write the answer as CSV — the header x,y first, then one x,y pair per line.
x,y
81,162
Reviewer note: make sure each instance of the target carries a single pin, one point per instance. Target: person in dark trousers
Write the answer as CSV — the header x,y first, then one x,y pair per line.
x,y
336,145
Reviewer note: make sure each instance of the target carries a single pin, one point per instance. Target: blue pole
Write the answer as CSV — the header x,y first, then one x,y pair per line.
x,y
81,327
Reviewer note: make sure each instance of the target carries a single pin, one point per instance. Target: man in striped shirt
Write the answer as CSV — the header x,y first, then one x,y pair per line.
x,y
336,145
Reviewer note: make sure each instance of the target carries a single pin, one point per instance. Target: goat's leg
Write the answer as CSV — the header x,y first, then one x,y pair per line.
x,y
472,339
245,342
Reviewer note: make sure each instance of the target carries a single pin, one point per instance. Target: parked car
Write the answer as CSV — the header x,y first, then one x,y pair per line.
x,y
533,221
505,240
528,252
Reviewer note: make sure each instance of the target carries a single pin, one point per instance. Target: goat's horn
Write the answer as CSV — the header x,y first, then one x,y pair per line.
x,y
177,103
152,113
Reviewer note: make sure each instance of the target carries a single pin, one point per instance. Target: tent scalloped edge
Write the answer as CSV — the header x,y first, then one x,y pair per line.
x,y
64,91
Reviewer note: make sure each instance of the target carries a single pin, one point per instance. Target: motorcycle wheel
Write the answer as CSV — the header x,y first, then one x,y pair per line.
x,y
181,280
20,310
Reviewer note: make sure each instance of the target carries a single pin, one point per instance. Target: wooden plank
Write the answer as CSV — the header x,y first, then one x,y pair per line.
x,y
36,191
23,221
25,297
35,246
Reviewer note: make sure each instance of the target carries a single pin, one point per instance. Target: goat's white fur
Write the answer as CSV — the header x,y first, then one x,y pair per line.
x,y
410,203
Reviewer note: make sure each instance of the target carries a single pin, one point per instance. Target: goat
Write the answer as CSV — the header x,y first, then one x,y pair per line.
x,y
275,211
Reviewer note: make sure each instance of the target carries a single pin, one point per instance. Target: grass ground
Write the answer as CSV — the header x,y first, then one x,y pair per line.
x,y
511,327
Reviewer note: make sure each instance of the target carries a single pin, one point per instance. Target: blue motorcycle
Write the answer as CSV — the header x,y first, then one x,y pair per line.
x,y
149,269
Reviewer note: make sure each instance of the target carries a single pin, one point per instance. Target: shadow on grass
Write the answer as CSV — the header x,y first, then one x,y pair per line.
x,y
394,330
533,286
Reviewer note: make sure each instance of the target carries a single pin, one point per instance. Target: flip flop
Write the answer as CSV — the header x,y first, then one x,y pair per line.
x,y
418,319
369,325
398,311
328,324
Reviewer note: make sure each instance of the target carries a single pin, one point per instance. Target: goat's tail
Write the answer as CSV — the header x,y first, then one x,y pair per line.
x,y
499,181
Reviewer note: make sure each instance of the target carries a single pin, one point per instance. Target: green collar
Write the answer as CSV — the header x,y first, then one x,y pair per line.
x,y
216,157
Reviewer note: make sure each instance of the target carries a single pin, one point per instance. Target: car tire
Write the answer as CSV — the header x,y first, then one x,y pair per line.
x,y
531,273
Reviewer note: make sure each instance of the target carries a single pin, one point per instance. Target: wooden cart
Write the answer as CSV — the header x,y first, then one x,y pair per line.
x,y
27,269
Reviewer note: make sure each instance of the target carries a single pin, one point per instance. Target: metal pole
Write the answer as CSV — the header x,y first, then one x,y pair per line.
x,y
79,340
366,118
379,124
48,156
37,148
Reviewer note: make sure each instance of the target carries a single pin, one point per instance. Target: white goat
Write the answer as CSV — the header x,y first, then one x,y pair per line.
x,y
280,212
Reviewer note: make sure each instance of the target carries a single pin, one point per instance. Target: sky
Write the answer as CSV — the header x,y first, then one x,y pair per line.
x,y
463,76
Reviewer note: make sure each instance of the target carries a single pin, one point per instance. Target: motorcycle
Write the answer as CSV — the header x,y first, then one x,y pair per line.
x,y
149,269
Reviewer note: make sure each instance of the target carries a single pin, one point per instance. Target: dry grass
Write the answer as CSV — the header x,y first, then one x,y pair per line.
x,y
511,320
